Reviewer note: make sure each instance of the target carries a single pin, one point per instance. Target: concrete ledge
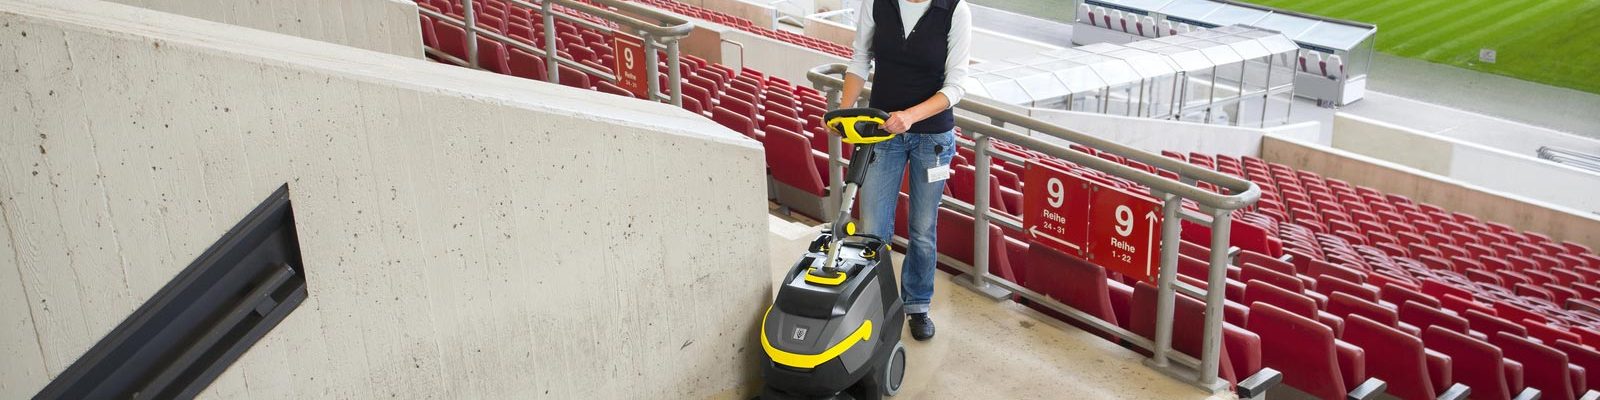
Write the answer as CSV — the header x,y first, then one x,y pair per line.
x,y
467,235
388,26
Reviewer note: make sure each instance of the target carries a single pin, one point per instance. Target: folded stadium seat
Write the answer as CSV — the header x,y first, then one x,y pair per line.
x,y
1105,17
744,85
1533,292
452,39
1240,357
1193,268
1586,291
1322,268
1460,304
1250,272
570,76
1544,367
1396,357
1482,276
492,56
526,65
692,105
1549,334
1398,294
1252,257
699,93
1086,14
962,184
1585,357
1517,313
955,241
1436,288
1344,305
1262,291
429,38
735,121
1423,317
1307,353
771,118
1327,285
1489,325
741,107
789,160
704,81
612,88
1070,280
1475,363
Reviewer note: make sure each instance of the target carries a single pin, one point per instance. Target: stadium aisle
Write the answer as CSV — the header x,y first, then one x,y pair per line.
x,y
1006,352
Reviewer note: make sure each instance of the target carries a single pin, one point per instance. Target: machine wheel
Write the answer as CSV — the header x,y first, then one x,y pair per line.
x,y
894,370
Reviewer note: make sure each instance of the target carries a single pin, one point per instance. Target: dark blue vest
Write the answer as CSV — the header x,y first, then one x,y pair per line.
x,y
910,69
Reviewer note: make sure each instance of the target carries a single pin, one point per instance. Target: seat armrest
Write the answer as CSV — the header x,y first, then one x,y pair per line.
x,y
1372,388
1256,386
1456,392
1527,394
1590,395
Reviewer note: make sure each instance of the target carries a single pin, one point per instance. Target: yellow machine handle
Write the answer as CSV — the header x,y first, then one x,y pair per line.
x,y
858,125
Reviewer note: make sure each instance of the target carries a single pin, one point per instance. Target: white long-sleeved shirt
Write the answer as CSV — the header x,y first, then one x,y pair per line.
x,y
955,63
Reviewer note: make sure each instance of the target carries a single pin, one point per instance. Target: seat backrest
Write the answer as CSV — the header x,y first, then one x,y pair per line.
x,y
1327,285
1543,367
1188,323
1261,291
1293,284
1070,280
1550,334
734,120
1345,305
1422,316
1320,268
689,103
773,119
612,88
1253,257
1301,348
526,65
1516,313
452,39
1477,364
1490,325
1391,355
570,76
1585,357
738,106
789,158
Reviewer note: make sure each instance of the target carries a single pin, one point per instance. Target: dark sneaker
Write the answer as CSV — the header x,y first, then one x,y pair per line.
x,y
921,326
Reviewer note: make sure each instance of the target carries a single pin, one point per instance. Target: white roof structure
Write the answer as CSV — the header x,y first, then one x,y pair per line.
x,y
1325,34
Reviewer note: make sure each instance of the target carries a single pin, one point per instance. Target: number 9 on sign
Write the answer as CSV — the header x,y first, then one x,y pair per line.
x,y
1124,220
1057,192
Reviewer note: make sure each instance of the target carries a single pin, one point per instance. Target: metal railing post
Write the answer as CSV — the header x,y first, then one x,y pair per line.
x,y
1171,227
674,73
835,151
1210,354
652,69
978,280
472,34
552,69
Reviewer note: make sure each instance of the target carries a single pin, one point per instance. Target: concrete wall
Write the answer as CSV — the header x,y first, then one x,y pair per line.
x,y
389,26
786,60
1469,162
758,12
1511,208
830,31
466,235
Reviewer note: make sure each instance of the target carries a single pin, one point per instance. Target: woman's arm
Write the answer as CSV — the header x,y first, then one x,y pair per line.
x,y
860,66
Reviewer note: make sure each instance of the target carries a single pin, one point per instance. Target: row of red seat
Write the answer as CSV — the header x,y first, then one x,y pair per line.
x,y
749,26
785,118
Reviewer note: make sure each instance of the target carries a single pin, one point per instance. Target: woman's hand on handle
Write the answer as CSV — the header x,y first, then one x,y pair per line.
x,y
899,122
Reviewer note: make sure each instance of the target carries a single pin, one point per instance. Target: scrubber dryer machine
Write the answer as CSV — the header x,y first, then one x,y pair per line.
x,y
834,330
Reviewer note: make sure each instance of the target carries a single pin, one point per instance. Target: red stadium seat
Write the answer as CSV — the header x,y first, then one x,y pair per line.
x,y
1327,285
1345,305
1396,357
1585,357
1241,349
612,88
1473,362
573,77
1306,352
789,157
1423,317
452,39
1398,294
1544,367
1070,280
1489,325
735,121
526,65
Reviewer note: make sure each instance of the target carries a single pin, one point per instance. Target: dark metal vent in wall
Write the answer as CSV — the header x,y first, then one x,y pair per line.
x,y
197,325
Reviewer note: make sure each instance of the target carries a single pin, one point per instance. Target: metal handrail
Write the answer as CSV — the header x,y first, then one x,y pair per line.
x,y
1217,207
664,33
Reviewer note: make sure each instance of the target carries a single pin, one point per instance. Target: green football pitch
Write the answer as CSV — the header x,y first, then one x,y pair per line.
x,y
1555,42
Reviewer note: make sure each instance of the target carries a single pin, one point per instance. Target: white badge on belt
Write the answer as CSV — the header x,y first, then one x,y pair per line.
x,y
939,173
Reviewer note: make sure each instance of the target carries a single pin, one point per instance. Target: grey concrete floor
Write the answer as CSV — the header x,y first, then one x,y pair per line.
x,y
1001,350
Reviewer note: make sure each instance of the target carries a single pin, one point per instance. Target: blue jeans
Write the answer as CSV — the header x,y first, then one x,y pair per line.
x,y
882,189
